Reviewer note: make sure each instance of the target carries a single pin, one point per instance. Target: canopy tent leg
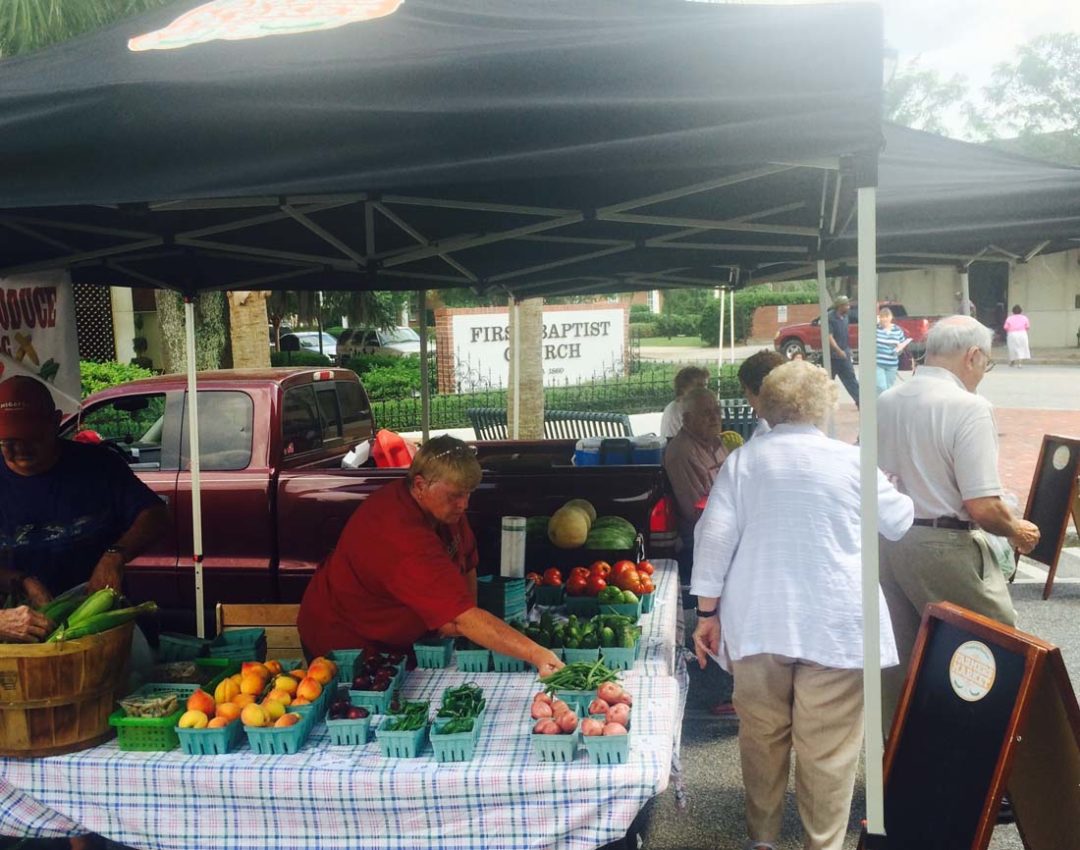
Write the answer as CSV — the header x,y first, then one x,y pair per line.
x,y
965,292
731,325
868,464
425,392
515,342
196,482
720,350
826,349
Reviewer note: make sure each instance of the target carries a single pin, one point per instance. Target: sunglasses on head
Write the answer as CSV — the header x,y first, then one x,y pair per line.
x,y
457,451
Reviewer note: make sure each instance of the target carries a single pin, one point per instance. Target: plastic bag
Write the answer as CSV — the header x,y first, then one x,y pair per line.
x,y
1000,547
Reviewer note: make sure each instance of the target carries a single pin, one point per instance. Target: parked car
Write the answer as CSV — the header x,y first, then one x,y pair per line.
x,y
274,494
309,341
395,342
805,338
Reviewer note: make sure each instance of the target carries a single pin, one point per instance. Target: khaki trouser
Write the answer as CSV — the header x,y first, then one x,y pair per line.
x,y
934,565
782,704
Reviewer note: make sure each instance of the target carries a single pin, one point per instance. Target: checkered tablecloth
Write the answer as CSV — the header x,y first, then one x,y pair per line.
x,y
331,797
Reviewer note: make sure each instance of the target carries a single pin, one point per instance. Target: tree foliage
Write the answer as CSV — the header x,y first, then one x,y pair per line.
x,y
27,25
919,97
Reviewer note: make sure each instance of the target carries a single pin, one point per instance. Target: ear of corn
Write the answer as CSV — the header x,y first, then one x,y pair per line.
x,y
96,603
101,622
60,609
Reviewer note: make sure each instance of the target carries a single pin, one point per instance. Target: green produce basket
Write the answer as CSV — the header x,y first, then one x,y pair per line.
x,y
210,671
401,745
240,644
631,610
647,601
607,749
583,606
434,656
173,646
313,712
473,660
618,657
458,746
577,700
211,742
151,734
507,663
349,733
556,748
571,655
277,741
346,660
546,594
377,702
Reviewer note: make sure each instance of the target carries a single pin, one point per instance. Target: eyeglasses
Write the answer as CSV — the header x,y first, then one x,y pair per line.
x,y
456,451
989,367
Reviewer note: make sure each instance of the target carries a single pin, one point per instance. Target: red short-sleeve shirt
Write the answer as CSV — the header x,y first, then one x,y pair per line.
x,y
392,578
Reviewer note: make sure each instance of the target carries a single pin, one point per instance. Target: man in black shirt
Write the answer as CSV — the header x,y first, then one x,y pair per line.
x,y
840,346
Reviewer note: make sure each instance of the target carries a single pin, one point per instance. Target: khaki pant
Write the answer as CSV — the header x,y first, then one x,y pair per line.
x,y
934,565
782,704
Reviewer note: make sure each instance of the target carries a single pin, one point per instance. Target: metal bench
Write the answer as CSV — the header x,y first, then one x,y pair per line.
x,y
489,423
738,416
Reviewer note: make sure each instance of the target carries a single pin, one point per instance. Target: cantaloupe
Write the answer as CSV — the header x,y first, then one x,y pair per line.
x,y
568,527
585,505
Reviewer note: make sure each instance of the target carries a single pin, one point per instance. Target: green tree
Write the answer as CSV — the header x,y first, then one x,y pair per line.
x,y
918,97
27,25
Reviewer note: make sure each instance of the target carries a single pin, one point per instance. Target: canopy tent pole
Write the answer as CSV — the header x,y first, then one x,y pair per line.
x,y
826,349
965,292
720,350
515,341
868,465
731,336
193,454
425,393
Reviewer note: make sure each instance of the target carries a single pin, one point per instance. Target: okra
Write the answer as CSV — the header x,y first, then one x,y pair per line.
x,y
101,622
96,603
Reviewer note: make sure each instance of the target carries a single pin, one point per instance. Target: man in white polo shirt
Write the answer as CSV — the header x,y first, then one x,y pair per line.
x,y
938,438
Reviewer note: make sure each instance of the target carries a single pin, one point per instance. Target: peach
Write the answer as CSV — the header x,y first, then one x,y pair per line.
x,y
193,719
322,659
256,667
237,677
226,690
218,723
253,715
290,719
320,671
301,701
284,697
201,701
310,689
298,674
240,700
227,711
273,709
252,684
286,683
273,667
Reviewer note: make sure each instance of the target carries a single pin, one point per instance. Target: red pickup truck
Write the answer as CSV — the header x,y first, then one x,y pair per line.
x,y
274,495
805,338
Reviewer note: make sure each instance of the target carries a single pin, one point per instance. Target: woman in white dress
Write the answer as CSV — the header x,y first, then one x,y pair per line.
x,y
1016,336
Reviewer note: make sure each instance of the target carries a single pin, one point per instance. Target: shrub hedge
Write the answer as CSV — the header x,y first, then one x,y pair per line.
x,y
96,376
746,302
298,358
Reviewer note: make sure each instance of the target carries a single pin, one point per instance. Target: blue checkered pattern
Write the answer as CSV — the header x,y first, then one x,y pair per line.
x,y
338,797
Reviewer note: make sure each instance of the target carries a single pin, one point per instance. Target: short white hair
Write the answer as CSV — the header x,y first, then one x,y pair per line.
x,y
954,334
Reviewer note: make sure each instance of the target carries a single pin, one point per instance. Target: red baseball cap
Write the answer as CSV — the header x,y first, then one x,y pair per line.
x,y
27,410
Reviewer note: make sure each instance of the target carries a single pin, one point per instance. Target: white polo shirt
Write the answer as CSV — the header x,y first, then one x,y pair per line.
x,y
940,441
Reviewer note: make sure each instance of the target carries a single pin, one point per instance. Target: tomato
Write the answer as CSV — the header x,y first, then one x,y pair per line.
x,y
579,571
577,586
628,580
552,577
622,566
595,585
535,578
600,568
647,585
646,567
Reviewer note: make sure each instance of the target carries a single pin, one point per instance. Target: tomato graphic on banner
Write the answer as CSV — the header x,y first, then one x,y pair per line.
x,y
236,20
37,334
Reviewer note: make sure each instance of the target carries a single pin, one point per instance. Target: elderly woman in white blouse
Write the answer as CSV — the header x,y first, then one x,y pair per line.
x,y
777,574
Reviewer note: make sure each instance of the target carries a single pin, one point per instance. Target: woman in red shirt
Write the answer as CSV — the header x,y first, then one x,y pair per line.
x,y
406,566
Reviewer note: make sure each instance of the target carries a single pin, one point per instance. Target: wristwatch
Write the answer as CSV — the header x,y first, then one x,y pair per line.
x,y
706,614
116,550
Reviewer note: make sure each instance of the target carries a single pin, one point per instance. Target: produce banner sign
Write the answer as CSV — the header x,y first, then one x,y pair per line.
x,y
37,334
578,344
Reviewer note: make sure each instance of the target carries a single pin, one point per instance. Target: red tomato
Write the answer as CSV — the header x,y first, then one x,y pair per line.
x,y
622,566
600,568
628,580
647,585
595,585
579,571
646,567
552,577
577,586
535,578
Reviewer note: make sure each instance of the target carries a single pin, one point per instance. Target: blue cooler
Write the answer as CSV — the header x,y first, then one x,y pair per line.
x,y
616,450
587,451
648,448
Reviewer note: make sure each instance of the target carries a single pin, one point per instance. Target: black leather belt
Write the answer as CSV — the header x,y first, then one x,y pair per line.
x,y
950,522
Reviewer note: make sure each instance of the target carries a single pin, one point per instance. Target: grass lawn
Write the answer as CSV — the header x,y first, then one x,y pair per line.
x,y
673,341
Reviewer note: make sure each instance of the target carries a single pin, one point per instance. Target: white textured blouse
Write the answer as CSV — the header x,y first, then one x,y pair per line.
x,y
779,543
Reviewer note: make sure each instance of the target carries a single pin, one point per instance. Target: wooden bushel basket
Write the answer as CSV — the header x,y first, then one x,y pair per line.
x,y
56,697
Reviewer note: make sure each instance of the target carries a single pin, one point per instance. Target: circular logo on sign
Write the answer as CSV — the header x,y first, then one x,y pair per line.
x,y
972,671
1060,457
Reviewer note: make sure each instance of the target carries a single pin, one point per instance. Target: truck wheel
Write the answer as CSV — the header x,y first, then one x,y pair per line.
x,y
792,347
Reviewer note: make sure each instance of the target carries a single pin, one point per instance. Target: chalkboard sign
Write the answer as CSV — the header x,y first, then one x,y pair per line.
x,y
1052,497
985,708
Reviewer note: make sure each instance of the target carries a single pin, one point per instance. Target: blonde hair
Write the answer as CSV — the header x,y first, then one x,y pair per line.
x,y
798,393
885,313
448,459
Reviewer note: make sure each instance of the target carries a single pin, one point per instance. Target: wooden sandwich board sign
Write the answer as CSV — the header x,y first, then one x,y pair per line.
x,y
985,709
1052,497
